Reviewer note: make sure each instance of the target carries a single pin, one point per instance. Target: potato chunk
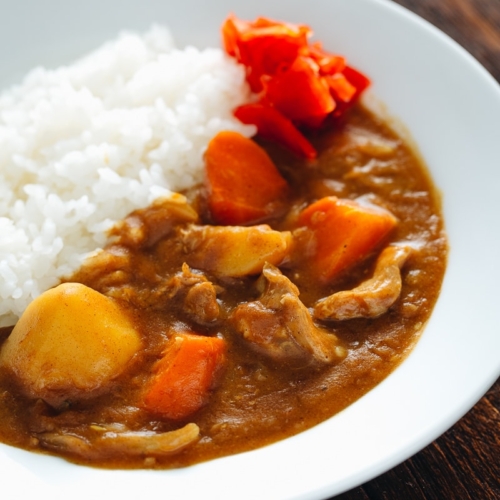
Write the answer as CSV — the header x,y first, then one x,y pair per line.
x,y
234,251
69,343
280,326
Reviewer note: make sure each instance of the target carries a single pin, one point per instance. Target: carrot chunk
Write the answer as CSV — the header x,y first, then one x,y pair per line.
x,y
341,234
185,375
243,183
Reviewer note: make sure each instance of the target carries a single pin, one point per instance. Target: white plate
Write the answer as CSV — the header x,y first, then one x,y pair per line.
x,y
451,105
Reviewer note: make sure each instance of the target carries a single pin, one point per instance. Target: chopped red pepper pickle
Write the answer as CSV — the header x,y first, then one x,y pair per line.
x,y
298,84
275,126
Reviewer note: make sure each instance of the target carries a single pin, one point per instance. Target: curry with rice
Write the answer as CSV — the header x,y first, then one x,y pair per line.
x,y
239,312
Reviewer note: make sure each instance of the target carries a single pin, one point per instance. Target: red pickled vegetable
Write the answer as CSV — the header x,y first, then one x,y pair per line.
x,y
262,46
357,80
340,87
296,80
329,64
298,93
274,126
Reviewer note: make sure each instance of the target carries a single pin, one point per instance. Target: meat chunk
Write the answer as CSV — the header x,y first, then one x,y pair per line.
x,y
110,443
201,303
279,325
373,297
197,293
106,268
234,251
144,227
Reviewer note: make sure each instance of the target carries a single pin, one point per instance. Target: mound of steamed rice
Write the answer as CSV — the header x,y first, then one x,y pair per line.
x,y
82,146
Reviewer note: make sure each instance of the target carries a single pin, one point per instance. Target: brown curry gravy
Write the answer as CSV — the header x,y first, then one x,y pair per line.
x,y
257,403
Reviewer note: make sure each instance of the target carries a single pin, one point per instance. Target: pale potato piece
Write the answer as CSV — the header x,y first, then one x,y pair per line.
x,y
233,250
69,343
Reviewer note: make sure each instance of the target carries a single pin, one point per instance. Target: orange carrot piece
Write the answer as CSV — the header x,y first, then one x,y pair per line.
x,y
243,183
185,375
343,233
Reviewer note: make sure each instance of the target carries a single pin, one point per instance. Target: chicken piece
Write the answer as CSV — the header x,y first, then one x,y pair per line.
x,y
201,303
144,227
182,281
234,251
69,344
280,326
109,444
373,297
199,294
106,268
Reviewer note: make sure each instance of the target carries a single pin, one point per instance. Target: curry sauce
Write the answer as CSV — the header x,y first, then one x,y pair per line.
x,y
259,397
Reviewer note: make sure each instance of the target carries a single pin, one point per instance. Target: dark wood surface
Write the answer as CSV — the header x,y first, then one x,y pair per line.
x,y
464,463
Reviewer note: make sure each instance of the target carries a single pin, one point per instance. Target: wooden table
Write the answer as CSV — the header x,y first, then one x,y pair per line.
x,y
464,463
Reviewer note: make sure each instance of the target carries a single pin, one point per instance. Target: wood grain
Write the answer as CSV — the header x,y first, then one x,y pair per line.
x,y
464,463
474,24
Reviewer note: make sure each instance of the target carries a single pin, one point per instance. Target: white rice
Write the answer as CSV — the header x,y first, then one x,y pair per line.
x,y
83,145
